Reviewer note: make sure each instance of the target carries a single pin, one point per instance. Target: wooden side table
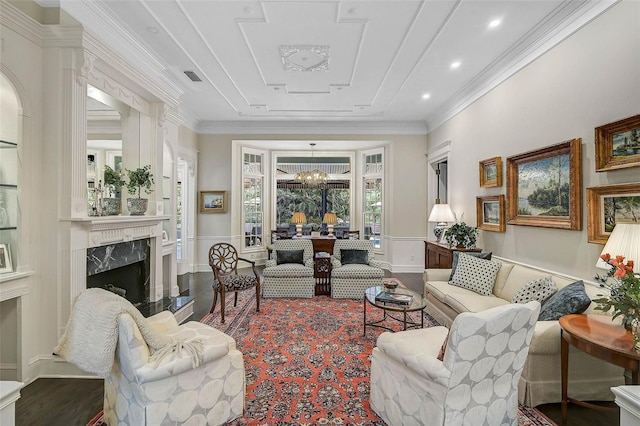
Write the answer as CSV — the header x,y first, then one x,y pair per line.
x,y
440,256
599,337
322,274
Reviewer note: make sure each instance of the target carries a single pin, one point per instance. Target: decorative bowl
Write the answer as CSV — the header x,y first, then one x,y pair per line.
x,y
390,284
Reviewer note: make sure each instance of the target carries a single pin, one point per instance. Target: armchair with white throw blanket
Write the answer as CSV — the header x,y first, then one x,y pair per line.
x,y
476,382
156,371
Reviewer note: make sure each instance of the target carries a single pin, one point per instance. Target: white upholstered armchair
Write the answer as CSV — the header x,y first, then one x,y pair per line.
x,y
174,391
290,272
350,278
475,383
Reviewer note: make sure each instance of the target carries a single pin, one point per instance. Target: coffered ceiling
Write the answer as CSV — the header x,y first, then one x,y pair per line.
x,y
335,65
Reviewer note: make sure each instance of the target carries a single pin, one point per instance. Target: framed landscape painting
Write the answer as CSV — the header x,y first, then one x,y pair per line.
x,y
491,172
544,187
490,213
618,144
608,205
213,201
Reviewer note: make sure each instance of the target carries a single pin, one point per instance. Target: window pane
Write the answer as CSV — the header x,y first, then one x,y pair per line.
x,y
310,201
253,211
373,210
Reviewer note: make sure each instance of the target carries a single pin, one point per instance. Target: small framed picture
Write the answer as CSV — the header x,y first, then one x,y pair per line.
x,y
608,205
5,259
490,213
618,144
491,172
213,201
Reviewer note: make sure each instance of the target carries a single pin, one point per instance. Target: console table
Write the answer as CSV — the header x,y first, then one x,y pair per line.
x,y
440,256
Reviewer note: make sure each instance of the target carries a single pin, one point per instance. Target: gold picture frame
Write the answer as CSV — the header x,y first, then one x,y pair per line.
x,y
213,201
618,144
607,205
538,179
490,172
490,213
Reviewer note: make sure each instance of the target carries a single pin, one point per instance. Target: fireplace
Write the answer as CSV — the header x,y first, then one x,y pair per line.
x,y
123,268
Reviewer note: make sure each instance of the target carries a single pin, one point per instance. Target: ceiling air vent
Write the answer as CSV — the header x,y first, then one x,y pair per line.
x,y
193,76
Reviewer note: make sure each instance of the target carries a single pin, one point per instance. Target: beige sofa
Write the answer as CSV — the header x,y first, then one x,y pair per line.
x,y
590,379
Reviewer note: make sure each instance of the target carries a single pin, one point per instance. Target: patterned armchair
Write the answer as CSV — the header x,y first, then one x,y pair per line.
x,y
140,392
475,382
349,281
289,279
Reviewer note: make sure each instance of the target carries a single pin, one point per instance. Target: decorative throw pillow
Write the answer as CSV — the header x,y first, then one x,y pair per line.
x,y
454,260
475,274
540,290
354,257
571,299
289,256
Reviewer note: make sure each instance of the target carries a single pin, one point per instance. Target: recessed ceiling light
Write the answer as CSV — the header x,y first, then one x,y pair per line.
x,y
426,96
455,65
494,23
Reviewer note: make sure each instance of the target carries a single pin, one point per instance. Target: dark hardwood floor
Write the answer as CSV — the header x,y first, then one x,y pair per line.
x,y
71,402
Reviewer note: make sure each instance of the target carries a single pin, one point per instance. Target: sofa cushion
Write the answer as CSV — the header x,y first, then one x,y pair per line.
x,y
473,302
289,256
357,271
571,299
519,276
540,289
352,256
475,274
440,290
454,260
288,270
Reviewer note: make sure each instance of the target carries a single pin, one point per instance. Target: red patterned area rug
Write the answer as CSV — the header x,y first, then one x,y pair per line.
x,y
307,361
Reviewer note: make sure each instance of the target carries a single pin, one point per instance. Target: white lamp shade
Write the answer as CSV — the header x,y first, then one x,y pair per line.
x,y
623,241
441,213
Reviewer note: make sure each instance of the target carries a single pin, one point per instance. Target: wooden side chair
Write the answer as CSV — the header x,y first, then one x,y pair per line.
x,y
223,259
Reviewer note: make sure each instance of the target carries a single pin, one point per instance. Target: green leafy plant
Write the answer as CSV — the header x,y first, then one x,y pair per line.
x,y
140,178
113,180
461,235
624,290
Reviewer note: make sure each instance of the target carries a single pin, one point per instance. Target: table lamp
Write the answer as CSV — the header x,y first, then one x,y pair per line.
x,y
441,214
330,219
623,241
299,218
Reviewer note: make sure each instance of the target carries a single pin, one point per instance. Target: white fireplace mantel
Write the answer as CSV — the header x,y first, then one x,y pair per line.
x,y
98,231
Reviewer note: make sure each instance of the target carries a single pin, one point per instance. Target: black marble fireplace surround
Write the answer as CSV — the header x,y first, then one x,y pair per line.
x,y
123,268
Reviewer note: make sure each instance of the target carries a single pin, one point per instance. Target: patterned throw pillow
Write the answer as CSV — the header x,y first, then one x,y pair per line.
x,y
289,256
475,274
454,260
360,257
572,299
540,290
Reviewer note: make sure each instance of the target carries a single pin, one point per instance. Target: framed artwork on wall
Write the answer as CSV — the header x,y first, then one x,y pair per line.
x,y
618,144
490,172
490,213
5,259
544,187
608,205
213,201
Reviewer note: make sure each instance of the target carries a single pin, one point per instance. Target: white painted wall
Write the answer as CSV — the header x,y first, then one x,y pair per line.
x,y
590,79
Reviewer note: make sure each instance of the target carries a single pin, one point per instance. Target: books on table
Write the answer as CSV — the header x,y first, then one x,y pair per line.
x,y
400,299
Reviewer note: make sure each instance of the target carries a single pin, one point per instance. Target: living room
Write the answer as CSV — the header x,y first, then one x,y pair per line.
x,y
587,80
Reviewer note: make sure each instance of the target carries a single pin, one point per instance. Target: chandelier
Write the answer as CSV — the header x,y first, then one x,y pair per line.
x,y
312,178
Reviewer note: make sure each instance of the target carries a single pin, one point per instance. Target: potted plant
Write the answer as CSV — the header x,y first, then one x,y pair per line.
x,y
113,182
139,179
461,235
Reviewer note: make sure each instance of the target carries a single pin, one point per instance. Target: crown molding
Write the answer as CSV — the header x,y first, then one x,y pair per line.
x,y
313,128
13,18
569,18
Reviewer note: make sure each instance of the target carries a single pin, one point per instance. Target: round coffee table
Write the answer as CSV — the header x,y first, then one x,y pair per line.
x,y
417,303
